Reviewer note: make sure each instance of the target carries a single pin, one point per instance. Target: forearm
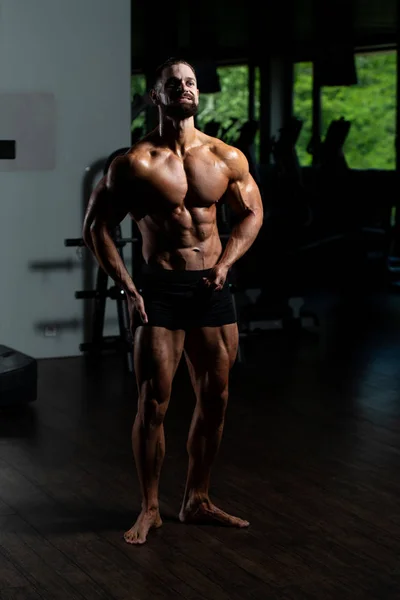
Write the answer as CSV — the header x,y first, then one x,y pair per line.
x,y
87,238
241,238
110,260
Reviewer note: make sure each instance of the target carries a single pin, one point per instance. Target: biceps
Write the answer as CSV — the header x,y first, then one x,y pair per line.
x,y
244,196
110,215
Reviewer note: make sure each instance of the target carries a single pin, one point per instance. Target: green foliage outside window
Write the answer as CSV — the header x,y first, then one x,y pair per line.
x,y
229,106
138,86
370,106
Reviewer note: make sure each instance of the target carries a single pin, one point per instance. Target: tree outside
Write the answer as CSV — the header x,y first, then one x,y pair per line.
x,y
229,107
138,87
370,106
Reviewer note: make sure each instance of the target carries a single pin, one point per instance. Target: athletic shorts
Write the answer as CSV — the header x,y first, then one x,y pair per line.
x,y
180,300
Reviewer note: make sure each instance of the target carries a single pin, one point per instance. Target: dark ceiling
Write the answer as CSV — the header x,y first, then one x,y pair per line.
x,y
226,31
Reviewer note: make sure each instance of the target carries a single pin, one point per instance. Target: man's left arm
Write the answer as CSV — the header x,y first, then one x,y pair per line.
x,y
243,195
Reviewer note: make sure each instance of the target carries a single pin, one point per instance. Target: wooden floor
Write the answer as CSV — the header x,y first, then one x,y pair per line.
x,y
310,456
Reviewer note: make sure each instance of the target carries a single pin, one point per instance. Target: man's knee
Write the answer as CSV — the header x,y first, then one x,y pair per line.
x,y
153,406
213,406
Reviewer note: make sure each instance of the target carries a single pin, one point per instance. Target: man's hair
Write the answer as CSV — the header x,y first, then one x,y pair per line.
x,y
169,63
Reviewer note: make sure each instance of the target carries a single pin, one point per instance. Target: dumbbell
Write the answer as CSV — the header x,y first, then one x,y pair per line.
x,y
113,292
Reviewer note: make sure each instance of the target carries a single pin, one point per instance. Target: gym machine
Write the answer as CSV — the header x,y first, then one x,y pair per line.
x,y
276,305
122,343
98,344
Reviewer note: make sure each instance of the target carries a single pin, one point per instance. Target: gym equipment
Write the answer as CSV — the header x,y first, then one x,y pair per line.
x,y
283,148
18,378
291,208
215,129
332,155
339,211
99,343
279,303
245,143
393,254
291,318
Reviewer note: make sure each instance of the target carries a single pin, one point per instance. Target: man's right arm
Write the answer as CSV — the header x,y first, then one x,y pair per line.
x,y
98,196
107,207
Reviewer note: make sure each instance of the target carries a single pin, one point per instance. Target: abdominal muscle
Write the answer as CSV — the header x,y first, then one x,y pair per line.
x,y
187,243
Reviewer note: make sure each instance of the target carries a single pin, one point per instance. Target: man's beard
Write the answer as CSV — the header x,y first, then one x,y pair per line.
x,y
181,111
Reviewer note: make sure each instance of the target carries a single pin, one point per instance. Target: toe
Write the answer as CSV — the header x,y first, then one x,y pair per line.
x,y
230,519
134,541
130,537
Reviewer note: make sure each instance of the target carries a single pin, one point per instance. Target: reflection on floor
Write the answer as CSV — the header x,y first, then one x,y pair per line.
x,y
310,456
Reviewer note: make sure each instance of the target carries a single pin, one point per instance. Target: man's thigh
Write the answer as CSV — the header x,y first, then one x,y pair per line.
x,y
157,352
212,351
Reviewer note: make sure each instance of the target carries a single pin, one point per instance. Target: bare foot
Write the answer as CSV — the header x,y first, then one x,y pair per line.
x,y
145,521
206,512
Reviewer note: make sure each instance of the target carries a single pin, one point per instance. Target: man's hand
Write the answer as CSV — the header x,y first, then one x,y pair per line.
x,y
136,303
217,277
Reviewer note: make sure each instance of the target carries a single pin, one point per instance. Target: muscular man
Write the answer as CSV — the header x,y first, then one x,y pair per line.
x,y
170,183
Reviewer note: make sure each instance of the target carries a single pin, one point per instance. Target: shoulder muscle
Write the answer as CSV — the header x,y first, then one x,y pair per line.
x,y
119,175
235,161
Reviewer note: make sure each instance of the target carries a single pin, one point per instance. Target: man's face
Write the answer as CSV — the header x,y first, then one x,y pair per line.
x,y
177,93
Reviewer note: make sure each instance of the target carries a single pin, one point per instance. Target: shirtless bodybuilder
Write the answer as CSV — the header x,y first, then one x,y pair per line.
x,y
170,183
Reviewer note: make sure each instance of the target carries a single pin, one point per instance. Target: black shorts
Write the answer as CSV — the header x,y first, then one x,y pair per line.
x,y
180,300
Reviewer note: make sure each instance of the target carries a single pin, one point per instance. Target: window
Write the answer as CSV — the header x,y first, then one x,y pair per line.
x,y
229,107
302,108
370,106
138,87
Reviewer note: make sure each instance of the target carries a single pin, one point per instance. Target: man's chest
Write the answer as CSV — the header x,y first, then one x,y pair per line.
x,y
189,182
